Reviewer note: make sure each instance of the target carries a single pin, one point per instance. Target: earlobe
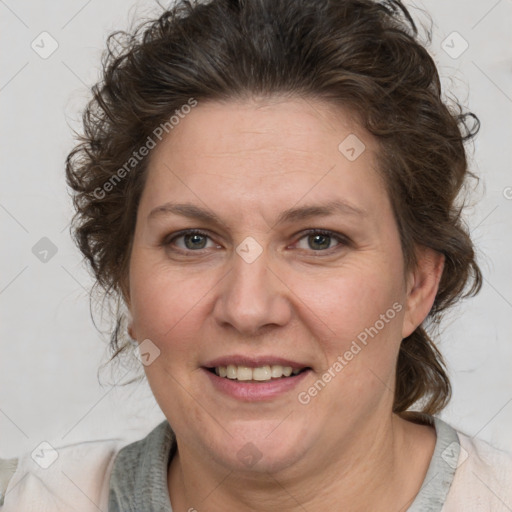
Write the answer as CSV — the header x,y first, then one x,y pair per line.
x,y
125,292
422,287
129,321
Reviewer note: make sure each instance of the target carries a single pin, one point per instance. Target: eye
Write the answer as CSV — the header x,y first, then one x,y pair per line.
x,y
193,240
320,240
196,241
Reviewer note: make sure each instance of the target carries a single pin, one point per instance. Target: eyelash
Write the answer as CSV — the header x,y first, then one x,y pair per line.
x,y
342,239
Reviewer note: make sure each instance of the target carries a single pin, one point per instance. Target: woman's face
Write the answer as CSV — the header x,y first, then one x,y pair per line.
x,y
256,289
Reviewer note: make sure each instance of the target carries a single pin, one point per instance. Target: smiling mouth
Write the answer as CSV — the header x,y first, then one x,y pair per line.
x,y
256,374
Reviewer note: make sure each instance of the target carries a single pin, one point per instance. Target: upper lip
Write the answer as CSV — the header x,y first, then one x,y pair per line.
x,y
254,362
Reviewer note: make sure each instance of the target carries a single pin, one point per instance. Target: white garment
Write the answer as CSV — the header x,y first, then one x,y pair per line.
x,y
78,480
482,481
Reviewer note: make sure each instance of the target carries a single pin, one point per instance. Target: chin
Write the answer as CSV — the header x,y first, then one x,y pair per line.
x,y
259,447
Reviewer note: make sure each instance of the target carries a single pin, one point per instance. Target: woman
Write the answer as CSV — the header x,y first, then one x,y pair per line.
x,y
270,188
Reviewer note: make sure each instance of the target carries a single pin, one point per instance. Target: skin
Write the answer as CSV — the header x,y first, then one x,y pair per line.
x,y
247,161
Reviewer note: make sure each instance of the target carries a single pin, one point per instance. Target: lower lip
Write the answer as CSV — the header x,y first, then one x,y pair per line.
x,y
255,391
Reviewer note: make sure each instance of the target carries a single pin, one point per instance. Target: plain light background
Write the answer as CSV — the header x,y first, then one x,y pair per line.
x,y
50,349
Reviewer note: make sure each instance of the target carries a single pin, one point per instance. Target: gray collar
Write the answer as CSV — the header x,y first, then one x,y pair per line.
x,y
139,476
138,481
441,470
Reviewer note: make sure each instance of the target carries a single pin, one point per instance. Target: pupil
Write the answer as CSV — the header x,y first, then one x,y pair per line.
x,y
194,238
324,237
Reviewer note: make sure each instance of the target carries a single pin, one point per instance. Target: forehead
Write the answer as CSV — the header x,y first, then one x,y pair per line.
x,y
277,125
276,151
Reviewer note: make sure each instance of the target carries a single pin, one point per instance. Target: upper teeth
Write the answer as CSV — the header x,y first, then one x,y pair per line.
x,y
235,372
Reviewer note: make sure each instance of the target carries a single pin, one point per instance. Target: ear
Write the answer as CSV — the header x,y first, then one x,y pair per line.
x,y
422,285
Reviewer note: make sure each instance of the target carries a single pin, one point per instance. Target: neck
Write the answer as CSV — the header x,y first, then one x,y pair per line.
x,y
381,467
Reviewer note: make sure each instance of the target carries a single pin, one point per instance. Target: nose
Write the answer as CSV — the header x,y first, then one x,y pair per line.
x,y
253,297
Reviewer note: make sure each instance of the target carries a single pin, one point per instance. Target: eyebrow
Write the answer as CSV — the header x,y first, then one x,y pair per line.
x,y
293,214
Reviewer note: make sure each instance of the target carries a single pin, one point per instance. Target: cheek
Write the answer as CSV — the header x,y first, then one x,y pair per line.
x,y
167,305
361,315
359,335
162,295
167,308
353,299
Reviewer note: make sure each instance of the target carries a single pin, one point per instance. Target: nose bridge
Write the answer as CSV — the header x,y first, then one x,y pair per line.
x,y
251,296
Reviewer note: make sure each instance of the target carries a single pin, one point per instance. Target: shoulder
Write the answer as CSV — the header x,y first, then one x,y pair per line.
x,y
54,478
483,478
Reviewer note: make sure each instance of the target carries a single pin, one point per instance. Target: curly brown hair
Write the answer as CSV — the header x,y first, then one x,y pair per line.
x,y
361,54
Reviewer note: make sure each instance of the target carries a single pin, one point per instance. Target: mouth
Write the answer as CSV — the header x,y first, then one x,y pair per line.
x,y
255,378
264,373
